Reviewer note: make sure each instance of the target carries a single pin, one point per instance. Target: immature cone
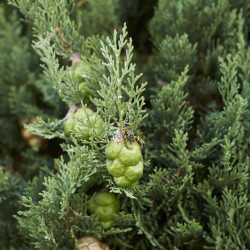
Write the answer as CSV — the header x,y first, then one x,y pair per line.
x,y
124,163
83,124
104,205
82,73
90,243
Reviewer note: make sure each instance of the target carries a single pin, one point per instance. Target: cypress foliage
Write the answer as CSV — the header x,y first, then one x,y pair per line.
x,y
86,106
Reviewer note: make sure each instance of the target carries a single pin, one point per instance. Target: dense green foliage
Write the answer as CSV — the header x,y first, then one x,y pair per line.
x,y
157,165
